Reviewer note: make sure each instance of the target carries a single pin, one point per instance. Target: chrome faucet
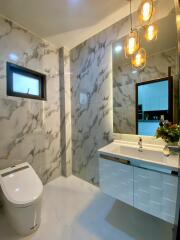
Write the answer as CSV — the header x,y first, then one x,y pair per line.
x,y
140,144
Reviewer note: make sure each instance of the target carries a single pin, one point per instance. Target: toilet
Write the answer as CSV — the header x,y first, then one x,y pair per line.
x,y
22,194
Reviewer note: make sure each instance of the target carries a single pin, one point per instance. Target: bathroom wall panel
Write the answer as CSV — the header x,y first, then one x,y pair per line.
x,y
30,129
91,69
65,108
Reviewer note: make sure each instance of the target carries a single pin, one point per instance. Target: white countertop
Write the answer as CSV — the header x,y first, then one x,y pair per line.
x,y
151,155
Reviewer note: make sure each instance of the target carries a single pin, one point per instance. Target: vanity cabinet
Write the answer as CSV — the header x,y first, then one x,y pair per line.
x,y
151,191
155,193
116,180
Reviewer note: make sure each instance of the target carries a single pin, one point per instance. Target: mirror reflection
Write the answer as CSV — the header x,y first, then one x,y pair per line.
x,y
153,101
153,104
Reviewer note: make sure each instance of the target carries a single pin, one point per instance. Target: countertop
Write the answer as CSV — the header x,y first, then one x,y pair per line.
x,y
157,158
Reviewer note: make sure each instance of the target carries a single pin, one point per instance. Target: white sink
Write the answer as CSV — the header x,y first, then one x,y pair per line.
x,y
150,153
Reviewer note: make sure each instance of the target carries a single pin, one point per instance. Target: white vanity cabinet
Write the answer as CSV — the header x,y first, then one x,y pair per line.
x,y
116,180
152,191
155,193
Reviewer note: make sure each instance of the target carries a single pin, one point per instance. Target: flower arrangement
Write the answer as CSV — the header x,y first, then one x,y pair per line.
x,y
169,132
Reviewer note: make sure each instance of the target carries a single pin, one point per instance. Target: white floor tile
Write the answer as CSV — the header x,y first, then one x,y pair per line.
x,y
76,210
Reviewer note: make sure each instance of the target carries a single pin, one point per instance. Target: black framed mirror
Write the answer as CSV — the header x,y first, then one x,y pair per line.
x,y
154,103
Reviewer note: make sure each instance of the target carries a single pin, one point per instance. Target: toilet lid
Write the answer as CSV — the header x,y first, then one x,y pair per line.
x,y
21,186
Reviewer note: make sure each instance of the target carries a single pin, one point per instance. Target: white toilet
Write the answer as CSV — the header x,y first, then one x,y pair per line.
x,y
22,193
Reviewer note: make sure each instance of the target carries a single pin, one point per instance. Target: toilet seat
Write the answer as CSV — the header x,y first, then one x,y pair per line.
x,y
21,185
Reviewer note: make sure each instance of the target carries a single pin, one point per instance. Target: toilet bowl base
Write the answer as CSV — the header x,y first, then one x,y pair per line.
x,y
24,220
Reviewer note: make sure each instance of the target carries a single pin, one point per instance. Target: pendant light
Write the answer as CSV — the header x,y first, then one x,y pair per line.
x,y
146,10
151,32
132,40
132,43
138,60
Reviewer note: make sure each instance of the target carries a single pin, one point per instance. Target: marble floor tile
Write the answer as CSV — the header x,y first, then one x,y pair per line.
x,y
76,210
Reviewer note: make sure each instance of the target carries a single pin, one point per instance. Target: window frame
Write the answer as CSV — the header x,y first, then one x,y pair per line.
x,y
13,68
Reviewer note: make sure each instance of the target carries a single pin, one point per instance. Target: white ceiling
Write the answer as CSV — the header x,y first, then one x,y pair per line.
x,y
54,19
68,22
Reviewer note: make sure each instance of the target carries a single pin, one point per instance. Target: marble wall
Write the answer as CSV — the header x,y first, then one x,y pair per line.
x,y
124,81
65,108
44,132
30,129
91,80
92,101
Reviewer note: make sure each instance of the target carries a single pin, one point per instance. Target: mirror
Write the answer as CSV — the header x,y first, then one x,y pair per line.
x,y
128,83
153,104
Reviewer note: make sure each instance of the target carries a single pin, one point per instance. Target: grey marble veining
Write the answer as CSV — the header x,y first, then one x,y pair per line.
x,y
63,133
30,129
65,108
91,68
92,123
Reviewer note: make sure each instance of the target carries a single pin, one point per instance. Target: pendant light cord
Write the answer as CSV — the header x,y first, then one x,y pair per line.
x,y
131,15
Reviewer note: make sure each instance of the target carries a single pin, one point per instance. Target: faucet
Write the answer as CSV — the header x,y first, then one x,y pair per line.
x,y
140,144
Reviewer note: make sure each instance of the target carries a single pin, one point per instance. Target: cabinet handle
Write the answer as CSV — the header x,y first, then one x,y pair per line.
x,y
127,162
115,159
174,173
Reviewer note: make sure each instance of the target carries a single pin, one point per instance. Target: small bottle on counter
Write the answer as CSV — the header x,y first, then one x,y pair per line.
x,y
161,122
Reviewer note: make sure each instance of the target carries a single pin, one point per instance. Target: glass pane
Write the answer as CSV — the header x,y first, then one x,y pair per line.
x,y
153,96
152,106
25,84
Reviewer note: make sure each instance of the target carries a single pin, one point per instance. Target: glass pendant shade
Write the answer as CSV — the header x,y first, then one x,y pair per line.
x,y
146,10
138,60
131,43
151,32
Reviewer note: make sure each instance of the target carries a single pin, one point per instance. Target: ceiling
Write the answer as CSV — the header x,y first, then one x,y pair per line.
x,y
56,19
70,22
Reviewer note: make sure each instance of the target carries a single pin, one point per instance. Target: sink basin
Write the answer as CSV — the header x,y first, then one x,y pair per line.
x,y
151,154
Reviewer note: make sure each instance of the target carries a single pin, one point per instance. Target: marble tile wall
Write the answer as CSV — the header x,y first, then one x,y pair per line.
x,y
40,132
65,108
91,68
30,129
92,121
124,81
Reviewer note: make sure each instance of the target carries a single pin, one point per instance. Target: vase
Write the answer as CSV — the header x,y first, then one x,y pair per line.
x,y
166,150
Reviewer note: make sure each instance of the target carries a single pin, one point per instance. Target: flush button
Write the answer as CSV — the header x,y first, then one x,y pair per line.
x,y
83,98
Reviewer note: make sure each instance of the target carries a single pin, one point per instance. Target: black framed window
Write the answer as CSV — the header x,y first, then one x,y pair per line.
x,y
25,83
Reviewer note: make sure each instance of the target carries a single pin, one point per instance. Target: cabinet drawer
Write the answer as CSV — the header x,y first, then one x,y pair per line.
x,y
155,193
116,180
